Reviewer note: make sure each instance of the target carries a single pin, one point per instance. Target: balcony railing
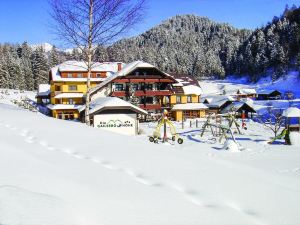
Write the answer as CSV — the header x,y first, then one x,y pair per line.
x,y
142,93
150,106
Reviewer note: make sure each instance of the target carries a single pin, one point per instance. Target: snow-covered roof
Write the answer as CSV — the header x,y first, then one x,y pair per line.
x,y
267,92
246,91
125,71
291,112
192,90
189,106
69,95
63,106
235,106
217,100
80,66
112,102
44,90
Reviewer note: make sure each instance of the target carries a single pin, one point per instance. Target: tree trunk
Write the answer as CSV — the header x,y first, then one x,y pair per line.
x,y
89,65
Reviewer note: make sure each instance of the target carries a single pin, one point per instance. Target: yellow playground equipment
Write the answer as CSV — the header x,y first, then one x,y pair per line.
x,y
164,122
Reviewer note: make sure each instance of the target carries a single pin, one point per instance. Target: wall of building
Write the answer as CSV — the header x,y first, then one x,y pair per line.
x,y
184,99
179,115
56,113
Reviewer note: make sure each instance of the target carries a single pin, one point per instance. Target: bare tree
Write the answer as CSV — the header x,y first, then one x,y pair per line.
x,y
86,23
273,120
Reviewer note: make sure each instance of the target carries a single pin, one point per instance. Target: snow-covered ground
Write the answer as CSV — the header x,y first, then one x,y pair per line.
x,y
55,172
231,85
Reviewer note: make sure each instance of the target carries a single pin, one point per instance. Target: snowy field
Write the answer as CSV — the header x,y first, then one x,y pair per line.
x,y
290,83
55,172
231,85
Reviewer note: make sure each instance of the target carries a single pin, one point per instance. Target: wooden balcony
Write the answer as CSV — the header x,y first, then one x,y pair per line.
x,y
157,92
150,106
140,93
118,94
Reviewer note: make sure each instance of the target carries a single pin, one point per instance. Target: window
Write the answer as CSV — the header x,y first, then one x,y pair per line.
x,y
178,99
72,87
118,87
135,87
71,101
189,98
70,75
57,88
149,87
80,75
101,74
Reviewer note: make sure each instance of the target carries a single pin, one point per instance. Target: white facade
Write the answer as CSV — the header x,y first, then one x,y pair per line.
x,y
126,124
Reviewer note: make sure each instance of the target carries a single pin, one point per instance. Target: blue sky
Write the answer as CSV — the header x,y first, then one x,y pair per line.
x,y
27,20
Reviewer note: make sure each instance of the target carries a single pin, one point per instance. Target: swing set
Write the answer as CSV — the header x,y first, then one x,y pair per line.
x,y
219,130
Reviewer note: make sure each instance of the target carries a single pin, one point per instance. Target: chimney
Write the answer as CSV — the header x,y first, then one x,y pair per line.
x,y
119,66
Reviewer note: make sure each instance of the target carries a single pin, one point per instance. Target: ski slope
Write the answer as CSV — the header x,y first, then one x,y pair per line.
x,y
55,172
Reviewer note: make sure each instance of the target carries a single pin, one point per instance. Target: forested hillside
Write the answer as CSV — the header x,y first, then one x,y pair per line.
x,y
183,44
187,44
273,49
201,47
23,67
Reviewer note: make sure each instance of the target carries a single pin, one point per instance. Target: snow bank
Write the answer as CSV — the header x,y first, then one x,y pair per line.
x,y
231,146
295,138
56,172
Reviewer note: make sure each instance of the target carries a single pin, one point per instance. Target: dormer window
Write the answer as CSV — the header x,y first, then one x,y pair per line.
x,y
137,73
70,75
80,75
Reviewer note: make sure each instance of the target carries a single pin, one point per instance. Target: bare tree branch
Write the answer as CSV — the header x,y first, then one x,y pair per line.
x,y
86,23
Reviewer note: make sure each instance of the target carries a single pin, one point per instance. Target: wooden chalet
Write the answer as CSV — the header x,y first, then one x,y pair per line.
x,y
239,108
217,103
269,95
150,86
185,100
246,93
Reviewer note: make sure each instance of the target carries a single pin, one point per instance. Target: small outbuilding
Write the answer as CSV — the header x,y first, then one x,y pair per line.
x,y
43,95
246,93
269,95
115,115
293,118
240,108
217,103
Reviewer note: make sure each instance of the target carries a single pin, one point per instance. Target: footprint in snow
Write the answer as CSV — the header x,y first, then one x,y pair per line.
x,y
50,148
43,143
24,133
30,139
95,160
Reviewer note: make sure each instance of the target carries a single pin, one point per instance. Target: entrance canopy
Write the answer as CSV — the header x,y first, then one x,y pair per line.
x,y
113,103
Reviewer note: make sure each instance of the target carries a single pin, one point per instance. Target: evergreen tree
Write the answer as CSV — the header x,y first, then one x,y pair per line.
x,y
40,67
54,57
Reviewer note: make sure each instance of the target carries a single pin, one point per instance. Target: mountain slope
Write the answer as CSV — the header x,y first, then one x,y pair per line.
x,y
187,44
